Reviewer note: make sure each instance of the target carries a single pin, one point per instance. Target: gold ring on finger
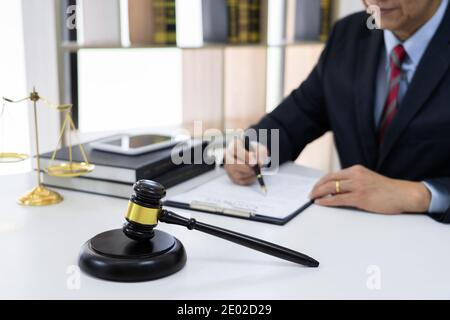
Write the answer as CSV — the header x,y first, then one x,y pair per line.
x,y
338,186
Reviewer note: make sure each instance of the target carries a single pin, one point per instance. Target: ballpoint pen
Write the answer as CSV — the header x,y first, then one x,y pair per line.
x,y
256,167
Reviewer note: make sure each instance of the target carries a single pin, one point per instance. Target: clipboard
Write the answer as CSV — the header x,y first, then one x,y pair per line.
x,y
287,197
246,216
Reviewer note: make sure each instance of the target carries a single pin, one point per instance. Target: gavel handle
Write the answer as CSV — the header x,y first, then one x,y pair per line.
x,y
238,238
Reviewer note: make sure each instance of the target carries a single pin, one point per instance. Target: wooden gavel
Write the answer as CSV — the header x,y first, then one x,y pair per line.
x,y
145,210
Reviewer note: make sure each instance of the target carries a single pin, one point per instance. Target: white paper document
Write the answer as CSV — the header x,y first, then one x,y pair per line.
x,y
286,193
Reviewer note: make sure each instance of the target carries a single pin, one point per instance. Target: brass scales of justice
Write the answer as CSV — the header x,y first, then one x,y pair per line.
x,y
40,195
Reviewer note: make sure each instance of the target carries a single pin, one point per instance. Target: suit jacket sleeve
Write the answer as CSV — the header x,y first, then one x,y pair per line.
x,y
302,117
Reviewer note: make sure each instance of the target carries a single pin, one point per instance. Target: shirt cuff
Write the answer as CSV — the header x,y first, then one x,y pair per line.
x,y
440,198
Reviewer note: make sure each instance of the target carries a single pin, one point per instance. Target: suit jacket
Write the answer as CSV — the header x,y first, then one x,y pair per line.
x,y
339,95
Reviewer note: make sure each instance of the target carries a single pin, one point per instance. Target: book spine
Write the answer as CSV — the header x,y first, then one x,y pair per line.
x,y
233,21
215,21
141,21
155,169
255,21
171,21
244,21
307,20
188,172
165,22
167,165
160,22
325,19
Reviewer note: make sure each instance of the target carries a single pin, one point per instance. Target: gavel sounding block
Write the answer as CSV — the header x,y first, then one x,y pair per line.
x,y
113,256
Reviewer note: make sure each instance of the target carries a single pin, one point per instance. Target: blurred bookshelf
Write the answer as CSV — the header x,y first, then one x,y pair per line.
x,y
239,57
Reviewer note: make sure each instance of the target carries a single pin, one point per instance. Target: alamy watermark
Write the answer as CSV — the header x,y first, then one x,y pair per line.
x,y
374,21
73,281
373,281
270,139
71,20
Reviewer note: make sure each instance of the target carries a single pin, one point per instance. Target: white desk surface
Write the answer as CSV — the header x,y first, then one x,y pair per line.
x,y
38,246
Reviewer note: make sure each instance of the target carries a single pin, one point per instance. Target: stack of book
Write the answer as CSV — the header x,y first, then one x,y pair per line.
x,y
115,174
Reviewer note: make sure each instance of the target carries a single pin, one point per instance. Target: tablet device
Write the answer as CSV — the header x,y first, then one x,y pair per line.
x,y
136,144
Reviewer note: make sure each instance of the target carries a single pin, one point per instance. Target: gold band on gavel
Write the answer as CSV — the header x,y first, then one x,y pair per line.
x,y
142,215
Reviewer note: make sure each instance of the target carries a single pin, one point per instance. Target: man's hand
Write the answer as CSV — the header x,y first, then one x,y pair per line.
x,y
367,190
239,162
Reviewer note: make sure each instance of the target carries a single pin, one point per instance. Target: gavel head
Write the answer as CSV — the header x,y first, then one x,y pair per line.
x,y
144,209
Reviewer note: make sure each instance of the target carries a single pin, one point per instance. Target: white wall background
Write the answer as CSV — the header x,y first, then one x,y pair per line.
x,y
41,63
14,127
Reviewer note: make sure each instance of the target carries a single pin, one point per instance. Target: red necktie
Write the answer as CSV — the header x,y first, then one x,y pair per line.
x,y
390,108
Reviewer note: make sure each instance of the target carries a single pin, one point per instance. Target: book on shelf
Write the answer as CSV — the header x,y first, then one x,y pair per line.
x,y
325,19
244,26
165,21
308,20
233,21
244,21
123,190
255,21
221,21
141,22
215,21
128,169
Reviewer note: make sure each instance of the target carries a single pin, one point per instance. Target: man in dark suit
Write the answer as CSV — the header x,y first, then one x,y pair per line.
x,y
385,94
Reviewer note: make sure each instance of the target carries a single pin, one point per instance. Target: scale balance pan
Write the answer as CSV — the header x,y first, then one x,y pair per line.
x,y
11,157
69,170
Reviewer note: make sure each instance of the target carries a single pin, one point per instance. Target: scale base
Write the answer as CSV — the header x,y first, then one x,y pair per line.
x,y
113,256
40,196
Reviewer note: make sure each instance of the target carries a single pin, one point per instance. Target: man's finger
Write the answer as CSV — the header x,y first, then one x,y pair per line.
x,y
339,175
246,182
239,172
240,153
231,159
236,178
244,173
341,200
243,169
327,188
